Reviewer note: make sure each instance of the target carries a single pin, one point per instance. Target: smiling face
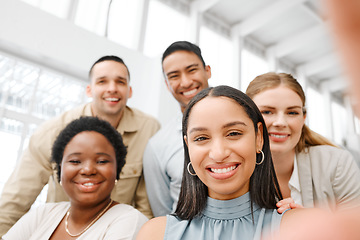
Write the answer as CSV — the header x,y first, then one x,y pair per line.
x,y
109,89
88,168
282,110
222,146
185,76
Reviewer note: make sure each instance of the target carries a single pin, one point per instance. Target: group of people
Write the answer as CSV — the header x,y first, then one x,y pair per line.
x,y
228,166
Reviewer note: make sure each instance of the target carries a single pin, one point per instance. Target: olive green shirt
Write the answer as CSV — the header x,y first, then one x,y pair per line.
x,y
35,170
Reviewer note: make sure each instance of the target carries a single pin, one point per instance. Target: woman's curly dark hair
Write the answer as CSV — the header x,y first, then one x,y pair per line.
x,y
83,124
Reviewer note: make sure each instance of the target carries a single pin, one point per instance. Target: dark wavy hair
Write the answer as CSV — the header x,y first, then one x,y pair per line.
x,y
88,124
264,188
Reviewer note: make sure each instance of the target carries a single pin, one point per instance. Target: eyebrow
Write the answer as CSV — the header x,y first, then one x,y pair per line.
x,y
79,153
187,67
291,107
118,77
198,129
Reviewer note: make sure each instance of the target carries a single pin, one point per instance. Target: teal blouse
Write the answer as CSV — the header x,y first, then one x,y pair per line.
x,y
227,220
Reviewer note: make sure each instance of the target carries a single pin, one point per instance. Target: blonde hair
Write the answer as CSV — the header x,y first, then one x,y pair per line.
x,y
272,80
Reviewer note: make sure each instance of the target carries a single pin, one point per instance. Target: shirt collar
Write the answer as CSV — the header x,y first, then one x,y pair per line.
x,y
128,122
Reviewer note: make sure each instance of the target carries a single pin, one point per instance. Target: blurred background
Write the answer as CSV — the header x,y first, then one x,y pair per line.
x,y
48,46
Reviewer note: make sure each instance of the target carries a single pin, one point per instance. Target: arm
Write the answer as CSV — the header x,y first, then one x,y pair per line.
x,y
157,183
153,229
346,180
26,182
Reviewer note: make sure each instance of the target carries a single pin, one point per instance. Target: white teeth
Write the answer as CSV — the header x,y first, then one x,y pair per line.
x,y
278,136
190,92
112,99
222,170
88,184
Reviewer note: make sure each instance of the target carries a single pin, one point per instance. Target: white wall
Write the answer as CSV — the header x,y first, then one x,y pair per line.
x,y
35,35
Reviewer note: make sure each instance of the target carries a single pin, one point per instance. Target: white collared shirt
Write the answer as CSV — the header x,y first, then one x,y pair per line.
x,y
294,184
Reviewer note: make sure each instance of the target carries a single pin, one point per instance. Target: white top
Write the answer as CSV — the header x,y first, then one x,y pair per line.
x,y
294,184
119,222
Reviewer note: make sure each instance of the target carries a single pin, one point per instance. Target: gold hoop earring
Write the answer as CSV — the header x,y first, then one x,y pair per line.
x,y
116,181
60,183
262,158
188,169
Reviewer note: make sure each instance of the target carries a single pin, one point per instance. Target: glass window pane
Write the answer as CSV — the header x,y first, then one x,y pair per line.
x,y
92,15
10,138
217,52
339,118
161,33
124,15
315,111
251,66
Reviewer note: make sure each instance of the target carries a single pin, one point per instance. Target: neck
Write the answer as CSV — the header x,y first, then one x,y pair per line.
x,y
81,218
283,162
114,120
284,166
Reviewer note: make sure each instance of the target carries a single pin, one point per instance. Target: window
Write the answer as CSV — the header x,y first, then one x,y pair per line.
x,y
161,31
251,66
30,94
217,52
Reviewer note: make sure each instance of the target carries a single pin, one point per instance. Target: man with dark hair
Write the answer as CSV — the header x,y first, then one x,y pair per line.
x,y
110,89
185,74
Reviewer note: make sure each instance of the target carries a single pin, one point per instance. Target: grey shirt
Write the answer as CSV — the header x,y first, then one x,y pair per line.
x,y
163,167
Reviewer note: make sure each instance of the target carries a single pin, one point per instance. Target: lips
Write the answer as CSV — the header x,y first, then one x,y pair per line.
x,y
191,92
88,186
112,99
278,137
223,171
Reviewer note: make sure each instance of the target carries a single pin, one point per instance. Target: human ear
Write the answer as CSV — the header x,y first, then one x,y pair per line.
x,y
186,142
259,136
88,91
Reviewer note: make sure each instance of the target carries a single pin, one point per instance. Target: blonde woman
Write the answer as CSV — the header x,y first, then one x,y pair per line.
x,y
310,169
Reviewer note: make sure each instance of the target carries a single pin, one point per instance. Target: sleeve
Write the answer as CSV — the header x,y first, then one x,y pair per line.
x,y
27,180
346,181
141,198
157,183
130,226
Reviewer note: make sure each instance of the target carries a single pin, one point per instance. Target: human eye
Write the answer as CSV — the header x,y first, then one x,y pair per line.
x,y
200,139
173,77
191,70
293,113
103,161
266,112
234,133
74,161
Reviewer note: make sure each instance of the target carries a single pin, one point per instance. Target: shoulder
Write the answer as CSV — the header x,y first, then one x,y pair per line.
x,y
153,229
327,154
140,116
327,150
56,124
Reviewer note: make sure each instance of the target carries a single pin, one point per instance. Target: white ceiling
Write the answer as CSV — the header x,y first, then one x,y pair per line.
x,y
293,32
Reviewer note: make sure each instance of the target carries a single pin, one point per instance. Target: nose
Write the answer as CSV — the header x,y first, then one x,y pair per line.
x,y
112,87
218,152
88,168
185,81
280,120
